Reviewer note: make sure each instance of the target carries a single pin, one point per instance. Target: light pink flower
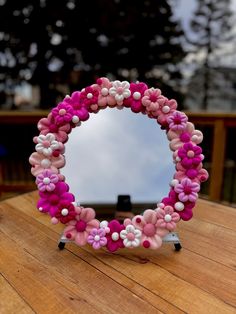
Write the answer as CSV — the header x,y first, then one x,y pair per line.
x,y
46,181
177,121
167,218
152,100
151,233
120,91
166,108
40,163
48,125
189,134
97,238
79,228
187,190
104,99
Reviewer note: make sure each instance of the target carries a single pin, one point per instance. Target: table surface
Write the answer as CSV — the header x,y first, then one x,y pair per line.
x,y
35,277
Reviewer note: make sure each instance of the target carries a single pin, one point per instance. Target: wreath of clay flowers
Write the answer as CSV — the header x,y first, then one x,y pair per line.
x,y
81,226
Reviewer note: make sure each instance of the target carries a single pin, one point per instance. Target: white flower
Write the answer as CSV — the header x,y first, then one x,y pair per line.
x,y
47,144
131,236
120,91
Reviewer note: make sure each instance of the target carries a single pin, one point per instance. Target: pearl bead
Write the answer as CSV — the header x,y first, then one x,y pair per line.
x,y
45,163
161,205
179,206
75,119
166,109
178,158
89,95
115,236
104,91
40,209
167,218
194,138
136,95
103,224
174,182
64,212
46,181
97,237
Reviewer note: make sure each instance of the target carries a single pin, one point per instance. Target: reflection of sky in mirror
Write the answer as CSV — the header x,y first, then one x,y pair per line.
x,y
118,152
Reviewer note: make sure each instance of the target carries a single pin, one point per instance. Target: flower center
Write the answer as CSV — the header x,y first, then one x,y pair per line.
x,y
167,218
97,238
177,120
149,230
89,95
187,190
46,144
130,236
62,112
53,128
190,154
115,236
153,98
184,137
64,212
136,95
120,90
54,199
81,225
46,181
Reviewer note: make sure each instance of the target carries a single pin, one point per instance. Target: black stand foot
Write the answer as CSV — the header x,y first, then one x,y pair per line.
x,y
61,245
178,246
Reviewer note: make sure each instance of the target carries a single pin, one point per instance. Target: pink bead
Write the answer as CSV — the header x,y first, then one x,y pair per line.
x,y
80,225
62,112
120,90
190,154
130,236
46,144
146,244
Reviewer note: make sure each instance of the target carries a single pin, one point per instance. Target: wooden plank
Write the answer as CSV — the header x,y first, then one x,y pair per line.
x,y
154,277
10,301
217,170
59,275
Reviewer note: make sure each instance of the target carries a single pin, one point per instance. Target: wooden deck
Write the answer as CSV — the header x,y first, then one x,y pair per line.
x,y
35,277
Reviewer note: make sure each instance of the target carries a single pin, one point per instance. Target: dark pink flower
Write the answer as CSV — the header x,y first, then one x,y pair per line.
x,y
177,121
50,202
135,99
190,155
65,212
48,125
197,174
79,109
89,98
187,190
63,113
114,241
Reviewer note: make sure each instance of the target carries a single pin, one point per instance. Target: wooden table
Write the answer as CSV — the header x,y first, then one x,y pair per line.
x,y
38,278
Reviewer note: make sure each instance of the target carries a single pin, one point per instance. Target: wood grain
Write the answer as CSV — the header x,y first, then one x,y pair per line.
x,y
199,279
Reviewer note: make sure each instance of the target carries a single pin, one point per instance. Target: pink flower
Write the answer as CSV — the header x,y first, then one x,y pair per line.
x,y
167,218
97,238
197,174
187,190
104,99
135,99
65,213
151,233
50,202
189,134
152,100
63,113
120,91
89,98
190,155
79,228
166,108
47,125
79,109
114,241
177,121
46,181
40,163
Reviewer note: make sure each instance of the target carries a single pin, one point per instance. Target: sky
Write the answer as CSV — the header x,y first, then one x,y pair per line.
x,y
119,152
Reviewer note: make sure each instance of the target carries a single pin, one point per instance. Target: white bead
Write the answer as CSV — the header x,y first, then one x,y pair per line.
x,y
179,206
64,212
194,138
115,236
103,224
166,109
89,95
161,205
136,95
40,209
46,181
75,119
178,158
174,182
45,163
104,91
167,218
97,237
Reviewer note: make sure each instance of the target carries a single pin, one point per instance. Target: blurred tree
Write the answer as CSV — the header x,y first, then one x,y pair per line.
x,y
211,24
69,41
